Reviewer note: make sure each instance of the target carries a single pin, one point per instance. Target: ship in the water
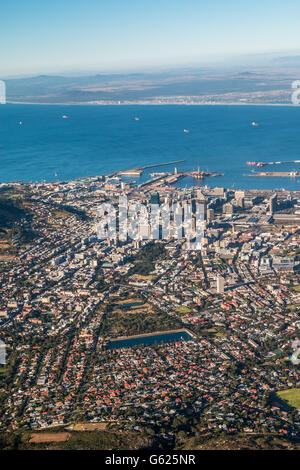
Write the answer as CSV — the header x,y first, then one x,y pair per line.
x,y
186,131
258,164
136,118
254,124
65,116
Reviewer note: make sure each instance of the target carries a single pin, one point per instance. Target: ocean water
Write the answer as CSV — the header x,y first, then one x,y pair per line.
x,y
98,140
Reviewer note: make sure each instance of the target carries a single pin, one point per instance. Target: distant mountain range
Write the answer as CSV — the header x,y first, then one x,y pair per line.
x,y
266,83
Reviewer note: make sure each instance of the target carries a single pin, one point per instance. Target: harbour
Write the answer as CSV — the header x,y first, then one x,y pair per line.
x,y
138,171
262,164
276,174
220,139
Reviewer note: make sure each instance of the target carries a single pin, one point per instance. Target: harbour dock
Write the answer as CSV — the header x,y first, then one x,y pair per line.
x,y
139,170
262,164
291,174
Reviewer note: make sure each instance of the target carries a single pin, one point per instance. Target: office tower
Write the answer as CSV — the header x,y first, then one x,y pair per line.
x,y
154,199
228,208
220,285
273,204
210,215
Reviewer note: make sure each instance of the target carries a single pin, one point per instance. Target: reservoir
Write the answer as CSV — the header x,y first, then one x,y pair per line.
x,y
131,304
148,339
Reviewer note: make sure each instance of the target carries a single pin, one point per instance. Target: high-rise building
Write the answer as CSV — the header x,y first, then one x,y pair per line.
x,y
219,192
154,199
144,230
227,208
240,202
220,285
210,215
200,202
239,194
272,204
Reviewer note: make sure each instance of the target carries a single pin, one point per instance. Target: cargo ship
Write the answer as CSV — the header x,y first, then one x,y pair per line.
x,y
258,164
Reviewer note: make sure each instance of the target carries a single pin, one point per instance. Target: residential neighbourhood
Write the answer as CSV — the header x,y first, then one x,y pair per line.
x,y
67,296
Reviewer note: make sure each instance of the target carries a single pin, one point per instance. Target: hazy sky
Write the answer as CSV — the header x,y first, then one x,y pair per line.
x,y
42,36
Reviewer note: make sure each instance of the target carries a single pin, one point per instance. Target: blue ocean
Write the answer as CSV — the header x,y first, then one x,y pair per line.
x,y
38,144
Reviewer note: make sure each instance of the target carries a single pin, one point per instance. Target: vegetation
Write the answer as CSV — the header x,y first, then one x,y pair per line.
x,y
85,440
240,442
108,440
183,310
145,260
66,209
10,211
122,324
291,397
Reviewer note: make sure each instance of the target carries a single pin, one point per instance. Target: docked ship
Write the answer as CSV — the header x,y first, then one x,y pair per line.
x,y
154,175
251,163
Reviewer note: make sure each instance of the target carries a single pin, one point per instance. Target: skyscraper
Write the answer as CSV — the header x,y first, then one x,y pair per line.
x,y
154,199
220,285
273,204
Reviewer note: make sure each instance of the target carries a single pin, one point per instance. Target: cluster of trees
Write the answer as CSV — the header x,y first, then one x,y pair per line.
x,y
120,324
10,211
145,260
72,210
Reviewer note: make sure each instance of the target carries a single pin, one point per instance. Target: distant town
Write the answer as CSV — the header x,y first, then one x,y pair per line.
x,y
148,335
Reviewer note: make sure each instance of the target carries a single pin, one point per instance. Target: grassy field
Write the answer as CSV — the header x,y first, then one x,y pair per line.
x,y
183,310
38,438
73,440
88,427
140,277
291,396
134,309
129,300
61,214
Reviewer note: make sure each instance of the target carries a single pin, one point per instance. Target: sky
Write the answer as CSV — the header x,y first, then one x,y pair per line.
x,y
39,36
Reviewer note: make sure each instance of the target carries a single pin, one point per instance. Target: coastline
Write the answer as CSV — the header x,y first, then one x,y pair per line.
x,y
133,103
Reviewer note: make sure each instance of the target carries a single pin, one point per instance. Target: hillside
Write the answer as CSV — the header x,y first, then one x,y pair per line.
x,y
241,442
268,82
10,212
